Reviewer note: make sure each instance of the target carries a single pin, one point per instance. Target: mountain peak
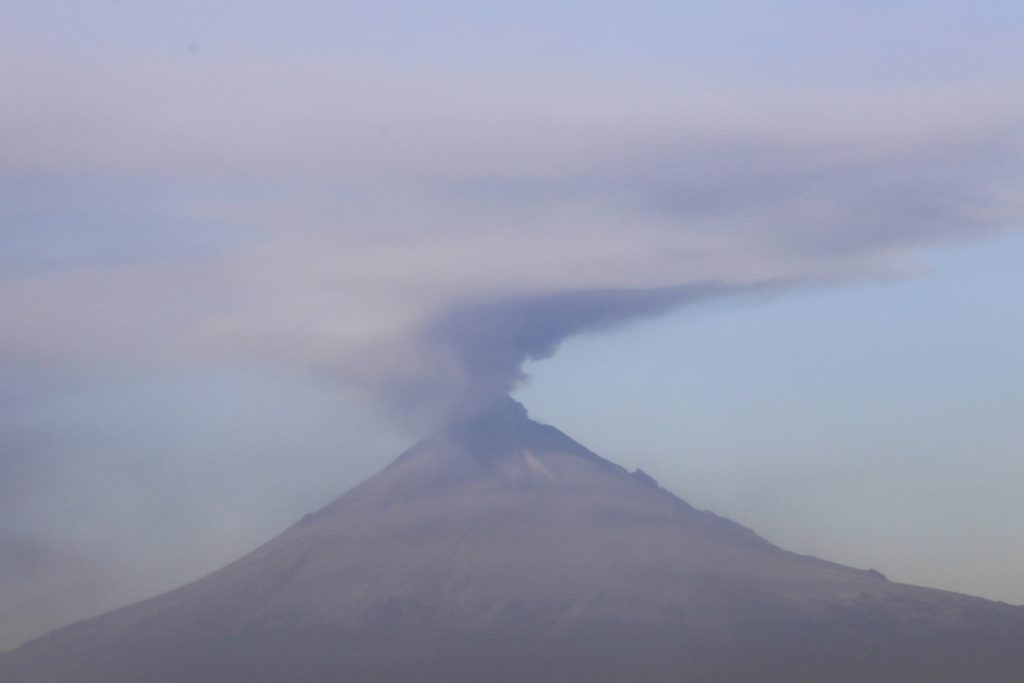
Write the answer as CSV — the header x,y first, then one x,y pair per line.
x,y
503,415
505,427
499,444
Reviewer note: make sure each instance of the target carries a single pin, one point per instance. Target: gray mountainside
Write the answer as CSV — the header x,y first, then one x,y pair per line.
x,y
502,550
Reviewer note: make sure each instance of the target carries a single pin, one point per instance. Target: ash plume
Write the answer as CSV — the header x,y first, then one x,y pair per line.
x,y
487,344
422,267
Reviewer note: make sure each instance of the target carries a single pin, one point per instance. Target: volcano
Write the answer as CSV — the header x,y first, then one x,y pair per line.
x,y
501,550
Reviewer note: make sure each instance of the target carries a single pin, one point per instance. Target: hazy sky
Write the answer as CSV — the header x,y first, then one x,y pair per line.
x,y
249,251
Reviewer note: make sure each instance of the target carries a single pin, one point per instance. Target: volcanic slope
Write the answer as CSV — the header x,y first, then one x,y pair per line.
x,y
502,550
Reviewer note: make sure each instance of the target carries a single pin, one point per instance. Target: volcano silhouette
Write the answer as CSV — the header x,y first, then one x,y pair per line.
x,y
501,550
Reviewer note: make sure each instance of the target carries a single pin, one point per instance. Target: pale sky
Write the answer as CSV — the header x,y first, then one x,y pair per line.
x,y
249,251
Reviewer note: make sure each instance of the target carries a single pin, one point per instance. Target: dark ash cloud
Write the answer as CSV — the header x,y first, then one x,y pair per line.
x,y
489,342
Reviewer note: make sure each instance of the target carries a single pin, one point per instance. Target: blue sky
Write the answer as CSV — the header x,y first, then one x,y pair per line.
x,y
878,41
250,251
877,425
